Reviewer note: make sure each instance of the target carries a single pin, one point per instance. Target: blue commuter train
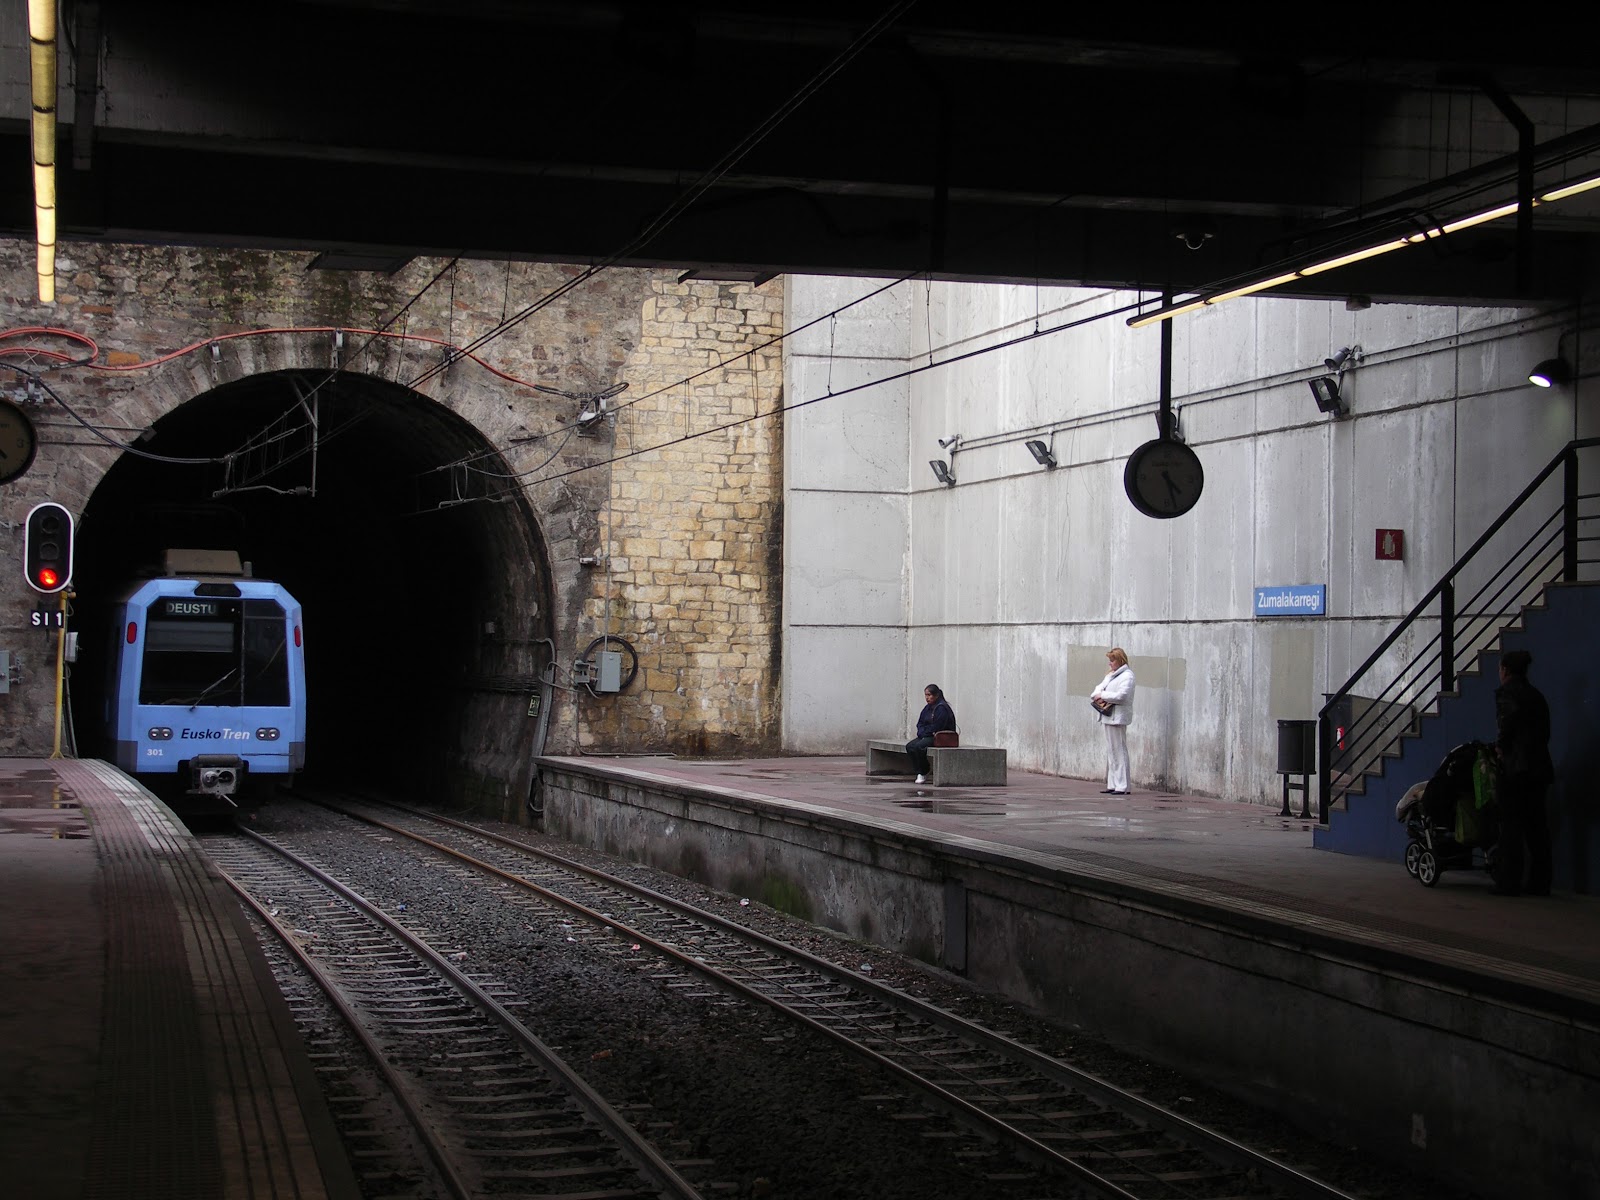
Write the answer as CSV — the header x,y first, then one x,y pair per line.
x,y
206,698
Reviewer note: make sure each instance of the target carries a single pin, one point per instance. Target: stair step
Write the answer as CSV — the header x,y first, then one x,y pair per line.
x,y
1361,796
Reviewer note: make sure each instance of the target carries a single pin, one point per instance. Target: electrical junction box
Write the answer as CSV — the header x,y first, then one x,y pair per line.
x,y
610,664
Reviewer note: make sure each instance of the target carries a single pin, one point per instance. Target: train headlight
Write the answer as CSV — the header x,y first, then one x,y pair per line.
x,y
267,734
160,733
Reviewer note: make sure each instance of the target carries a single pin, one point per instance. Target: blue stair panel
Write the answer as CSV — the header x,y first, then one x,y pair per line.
x,y
1560,636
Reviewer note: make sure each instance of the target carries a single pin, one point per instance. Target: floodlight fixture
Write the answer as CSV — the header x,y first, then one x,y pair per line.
x,y
1325,389
941,472
1550,372
1041,453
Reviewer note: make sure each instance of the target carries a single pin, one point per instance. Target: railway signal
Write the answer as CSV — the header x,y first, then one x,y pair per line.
x,y
47,553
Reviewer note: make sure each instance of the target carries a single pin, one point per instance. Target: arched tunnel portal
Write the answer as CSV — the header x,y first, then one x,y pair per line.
x,y
426,605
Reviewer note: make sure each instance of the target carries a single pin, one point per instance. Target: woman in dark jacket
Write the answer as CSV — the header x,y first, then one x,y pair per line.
x,y
936,717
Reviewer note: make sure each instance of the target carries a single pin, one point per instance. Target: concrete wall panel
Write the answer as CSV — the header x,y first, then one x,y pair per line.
x,y
1016,574
843,687
864,431
846,559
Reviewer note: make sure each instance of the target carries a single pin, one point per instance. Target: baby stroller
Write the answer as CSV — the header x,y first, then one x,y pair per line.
x,y
1451,818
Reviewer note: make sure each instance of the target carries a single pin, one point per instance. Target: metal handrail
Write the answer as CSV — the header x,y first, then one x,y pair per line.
x,y
1463,631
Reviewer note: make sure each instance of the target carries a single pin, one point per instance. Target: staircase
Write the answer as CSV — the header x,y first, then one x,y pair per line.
x,y
1531,582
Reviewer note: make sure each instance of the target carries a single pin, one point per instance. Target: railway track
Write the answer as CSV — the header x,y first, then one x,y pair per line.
x,y
496,1110
1102,1140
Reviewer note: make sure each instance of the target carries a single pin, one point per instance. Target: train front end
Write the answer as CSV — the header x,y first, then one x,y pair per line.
x,y
209,691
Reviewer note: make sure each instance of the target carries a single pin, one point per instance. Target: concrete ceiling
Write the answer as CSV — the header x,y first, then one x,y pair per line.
x,y
1158,147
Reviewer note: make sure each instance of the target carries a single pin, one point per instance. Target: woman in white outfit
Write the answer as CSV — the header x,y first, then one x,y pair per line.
x,y
1113,699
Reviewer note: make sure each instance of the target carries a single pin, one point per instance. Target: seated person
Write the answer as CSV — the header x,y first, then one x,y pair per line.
x,y
936,717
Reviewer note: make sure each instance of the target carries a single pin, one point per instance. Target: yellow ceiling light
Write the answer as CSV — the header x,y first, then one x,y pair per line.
x,y
1344,260
1167,310
1493,214
42,63
1571,189
1260,285
1177,308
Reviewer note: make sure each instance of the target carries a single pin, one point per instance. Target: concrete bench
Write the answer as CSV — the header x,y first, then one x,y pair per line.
x,y
948,766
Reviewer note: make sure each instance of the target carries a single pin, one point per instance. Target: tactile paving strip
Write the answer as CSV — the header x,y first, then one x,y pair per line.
x,y
196,1098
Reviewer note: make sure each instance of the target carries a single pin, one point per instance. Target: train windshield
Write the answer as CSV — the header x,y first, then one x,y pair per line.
x,y
215,652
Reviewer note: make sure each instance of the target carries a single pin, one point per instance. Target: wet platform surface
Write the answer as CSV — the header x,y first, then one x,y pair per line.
x,y
1243,858
145,1053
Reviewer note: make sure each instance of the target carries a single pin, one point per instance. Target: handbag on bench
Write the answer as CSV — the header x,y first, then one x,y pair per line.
x,y
947,737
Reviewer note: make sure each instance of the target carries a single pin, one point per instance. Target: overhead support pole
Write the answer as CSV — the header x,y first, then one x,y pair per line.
x,y
313,412
86,85
939,220
1164,422
1525,156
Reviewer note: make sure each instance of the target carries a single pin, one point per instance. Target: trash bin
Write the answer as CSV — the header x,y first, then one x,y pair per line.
x,y
1297,747
1297,755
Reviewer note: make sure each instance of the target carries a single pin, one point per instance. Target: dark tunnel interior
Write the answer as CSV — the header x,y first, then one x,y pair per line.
x,y
389,567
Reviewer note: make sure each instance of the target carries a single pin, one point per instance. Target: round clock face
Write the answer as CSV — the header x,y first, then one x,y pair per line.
x,y
1163,478
18,442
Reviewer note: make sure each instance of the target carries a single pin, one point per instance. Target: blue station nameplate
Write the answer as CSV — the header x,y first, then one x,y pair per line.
x,y
1292,600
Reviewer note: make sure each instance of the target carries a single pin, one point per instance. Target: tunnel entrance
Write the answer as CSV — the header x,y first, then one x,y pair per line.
x,y
424,601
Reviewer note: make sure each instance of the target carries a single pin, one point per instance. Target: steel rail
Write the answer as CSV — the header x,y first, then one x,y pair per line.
x,y
1213,1145
633,1145
356,1027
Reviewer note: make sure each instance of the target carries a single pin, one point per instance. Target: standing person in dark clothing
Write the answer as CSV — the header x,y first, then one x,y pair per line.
x,y
936,717
1522,718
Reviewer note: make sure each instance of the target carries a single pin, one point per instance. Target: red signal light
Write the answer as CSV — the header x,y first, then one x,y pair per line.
x,y
47,548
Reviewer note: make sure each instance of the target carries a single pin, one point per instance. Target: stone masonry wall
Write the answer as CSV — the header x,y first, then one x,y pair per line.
x,y
686,535
691,573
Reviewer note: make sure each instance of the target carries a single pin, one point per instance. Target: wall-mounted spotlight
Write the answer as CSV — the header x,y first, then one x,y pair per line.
x,y
1343,360
941,472
1041,453
1326,390
1550,372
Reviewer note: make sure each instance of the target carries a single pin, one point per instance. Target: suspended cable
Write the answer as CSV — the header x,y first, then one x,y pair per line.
x,y
706,181
860,387
103,436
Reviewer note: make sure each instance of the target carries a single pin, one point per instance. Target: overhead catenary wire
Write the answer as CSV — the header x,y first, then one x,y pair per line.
x,y
720,365
665,218
666,388
125,447
860,387
693,193
454,353
707,180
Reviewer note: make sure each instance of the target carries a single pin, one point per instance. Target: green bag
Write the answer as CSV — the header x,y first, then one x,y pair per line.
x,y
1473,819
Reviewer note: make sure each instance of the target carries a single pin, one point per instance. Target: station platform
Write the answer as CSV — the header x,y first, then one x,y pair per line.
x,y
1447,1029
145,1051
1243,859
